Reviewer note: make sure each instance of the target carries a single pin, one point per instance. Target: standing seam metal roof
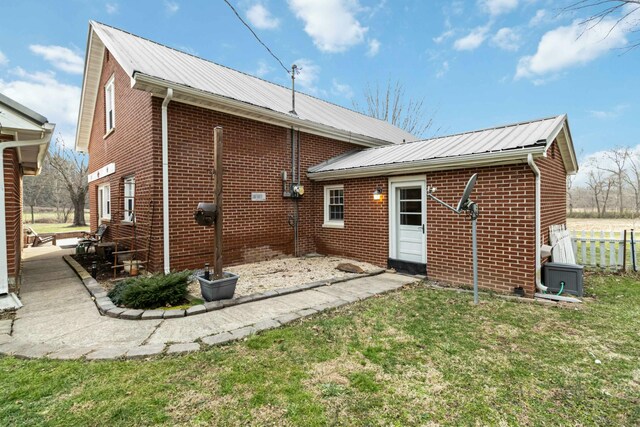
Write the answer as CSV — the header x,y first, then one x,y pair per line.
x,y
139,55
498,139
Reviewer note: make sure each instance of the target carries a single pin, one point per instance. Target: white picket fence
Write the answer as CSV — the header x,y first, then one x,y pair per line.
x,y
605,250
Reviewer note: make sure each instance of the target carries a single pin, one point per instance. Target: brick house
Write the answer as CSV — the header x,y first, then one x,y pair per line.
x,y
24,141
146,119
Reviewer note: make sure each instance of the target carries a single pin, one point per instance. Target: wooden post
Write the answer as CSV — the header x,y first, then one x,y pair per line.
x,y
217,250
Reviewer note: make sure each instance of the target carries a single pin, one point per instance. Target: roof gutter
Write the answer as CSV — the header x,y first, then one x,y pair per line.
x,y
201,98
459,162
43,141
165,181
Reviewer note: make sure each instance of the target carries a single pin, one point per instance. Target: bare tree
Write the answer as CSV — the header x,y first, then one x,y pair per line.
x,y
633,178
618,157
35,190
392,105
570,179
619,10
72,168
600,185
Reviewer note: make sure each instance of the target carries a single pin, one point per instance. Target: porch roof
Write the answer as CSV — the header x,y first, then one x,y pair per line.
x,y
486,147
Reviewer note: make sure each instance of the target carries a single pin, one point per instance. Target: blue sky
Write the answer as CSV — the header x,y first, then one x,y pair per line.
x,y
476,63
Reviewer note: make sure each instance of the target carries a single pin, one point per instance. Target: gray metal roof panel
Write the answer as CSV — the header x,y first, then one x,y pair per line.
x,y
139,55
509,137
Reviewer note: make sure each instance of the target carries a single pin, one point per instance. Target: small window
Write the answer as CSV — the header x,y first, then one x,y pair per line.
x,y
110,111
334,206
129,198
104,202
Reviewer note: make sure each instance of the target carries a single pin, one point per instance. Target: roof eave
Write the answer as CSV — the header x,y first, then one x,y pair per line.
x,y
189,95
89,94
445,163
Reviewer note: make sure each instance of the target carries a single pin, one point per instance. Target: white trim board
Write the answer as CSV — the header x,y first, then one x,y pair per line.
x,y
102,172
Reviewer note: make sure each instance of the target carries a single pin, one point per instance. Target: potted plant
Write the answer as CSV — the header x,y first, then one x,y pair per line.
x,y
216,289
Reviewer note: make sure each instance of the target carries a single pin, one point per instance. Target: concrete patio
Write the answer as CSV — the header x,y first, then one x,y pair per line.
x,y
60,321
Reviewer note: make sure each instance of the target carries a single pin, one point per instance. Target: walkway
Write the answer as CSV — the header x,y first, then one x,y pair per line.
x,y
60,321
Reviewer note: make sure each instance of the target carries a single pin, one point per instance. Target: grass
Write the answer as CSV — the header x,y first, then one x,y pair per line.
x,y
413,357
42,228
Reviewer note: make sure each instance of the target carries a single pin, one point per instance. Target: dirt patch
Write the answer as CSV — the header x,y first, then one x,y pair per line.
x,y
285,272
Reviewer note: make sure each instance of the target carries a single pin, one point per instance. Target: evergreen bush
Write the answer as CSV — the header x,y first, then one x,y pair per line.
x,y
151,292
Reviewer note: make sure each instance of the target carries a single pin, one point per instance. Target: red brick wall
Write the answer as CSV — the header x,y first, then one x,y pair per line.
x,y
506,227
13,206
255,154
553,191
366,223
130,147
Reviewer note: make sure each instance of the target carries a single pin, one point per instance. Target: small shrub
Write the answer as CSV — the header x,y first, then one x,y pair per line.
x,y
151,292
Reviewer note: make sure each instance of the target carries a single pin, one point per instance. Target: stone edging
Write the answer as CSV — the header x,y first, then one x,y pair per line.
x,y
106,307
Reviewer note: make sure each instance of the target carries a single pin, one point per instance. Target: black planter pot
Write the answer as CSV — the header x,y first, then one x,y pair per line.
x,y
214,290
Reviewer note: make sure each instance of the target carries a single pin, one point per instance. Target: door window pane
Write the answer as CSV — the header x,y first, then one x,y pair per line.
x,y
410,219
411,193
410,206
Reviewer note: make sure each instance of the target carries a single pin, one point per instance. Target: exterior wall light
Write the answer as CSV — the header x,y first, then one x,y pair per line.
x,y
377,194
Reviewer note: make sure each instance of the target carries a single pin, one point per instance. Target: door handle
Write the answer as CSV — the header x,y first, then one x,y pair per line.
x,y
422,228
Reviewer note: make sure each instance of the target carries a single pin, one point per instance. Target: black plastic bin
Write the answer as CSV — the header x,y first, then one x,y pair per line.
x,y
555,275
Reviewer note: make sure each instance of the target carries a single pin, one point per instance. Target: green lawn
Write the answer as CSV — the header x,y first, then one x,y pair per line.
x,y
55,228
413,357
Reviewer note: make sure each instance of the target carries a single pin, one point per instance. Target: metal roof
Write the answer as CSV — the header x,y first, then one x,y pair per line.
x,y
480,143
16,115
137,55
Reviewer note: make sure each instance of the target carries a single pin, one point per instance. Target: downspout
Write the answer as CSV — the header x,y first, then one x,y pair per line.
x,y
536,172
165,181
4,269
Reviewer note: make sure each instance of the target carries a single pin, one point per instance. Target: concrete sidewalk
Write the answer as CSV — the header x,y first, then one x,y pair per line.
x,y
60,321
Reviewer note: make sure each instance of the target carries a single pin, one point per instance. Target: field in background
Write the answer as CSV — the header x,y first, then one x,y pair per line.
x,y
602,224
46,221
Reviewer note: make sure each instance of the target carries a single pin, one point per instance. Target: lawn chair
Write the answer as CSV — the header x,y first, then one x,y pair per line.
x,y
92,239
40,240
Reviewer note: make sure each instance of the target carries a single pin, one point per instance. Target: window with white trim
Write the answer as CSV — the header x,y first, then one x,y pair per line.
x,y
110,109
129,198
104,202
334,206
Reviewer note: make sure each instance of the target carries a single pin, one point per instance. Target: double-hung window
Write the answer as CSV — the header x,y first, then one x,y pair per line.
x,y
104,202
110,109
334,206
129,198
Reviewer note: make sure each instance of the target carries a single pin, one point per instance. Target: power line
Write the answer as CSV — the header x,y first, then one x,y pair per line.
x,y
256,36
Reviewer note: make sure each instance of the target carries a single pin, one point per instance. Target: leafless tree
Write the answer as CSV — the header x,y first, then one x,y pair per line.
x,y
633,178
599,10
392,104
35,190
618,157
570,179
600,185
72,168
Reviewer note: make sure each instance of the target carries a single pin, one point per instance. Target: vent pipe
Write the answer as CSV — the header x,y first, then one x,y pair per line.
x,y
294,71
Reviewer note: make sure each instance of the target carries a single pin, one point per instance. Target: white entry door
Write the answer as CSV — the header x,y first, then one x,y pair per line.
x,y
408,221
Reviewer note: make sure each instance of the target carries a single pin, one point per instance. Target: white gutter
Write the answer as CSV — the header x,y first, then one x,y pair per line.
x,y
4,269
465,161
536,172
165,181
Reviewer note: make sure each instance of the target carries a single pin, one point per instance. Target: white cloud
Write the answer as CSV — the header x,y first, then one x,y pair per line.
x,y
444,36
171,7
261,18
572,45
473,40
3,59
498,7
444,68
112,8
331,24
374,47
60,57
308,76
42,92
541,16
341,89
507,39
608,114
263,69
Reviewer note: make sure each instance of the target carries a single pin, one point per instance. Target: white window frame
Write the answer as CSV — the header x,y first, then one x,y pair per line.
x,y
332,223
110,105
104,202
129,184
